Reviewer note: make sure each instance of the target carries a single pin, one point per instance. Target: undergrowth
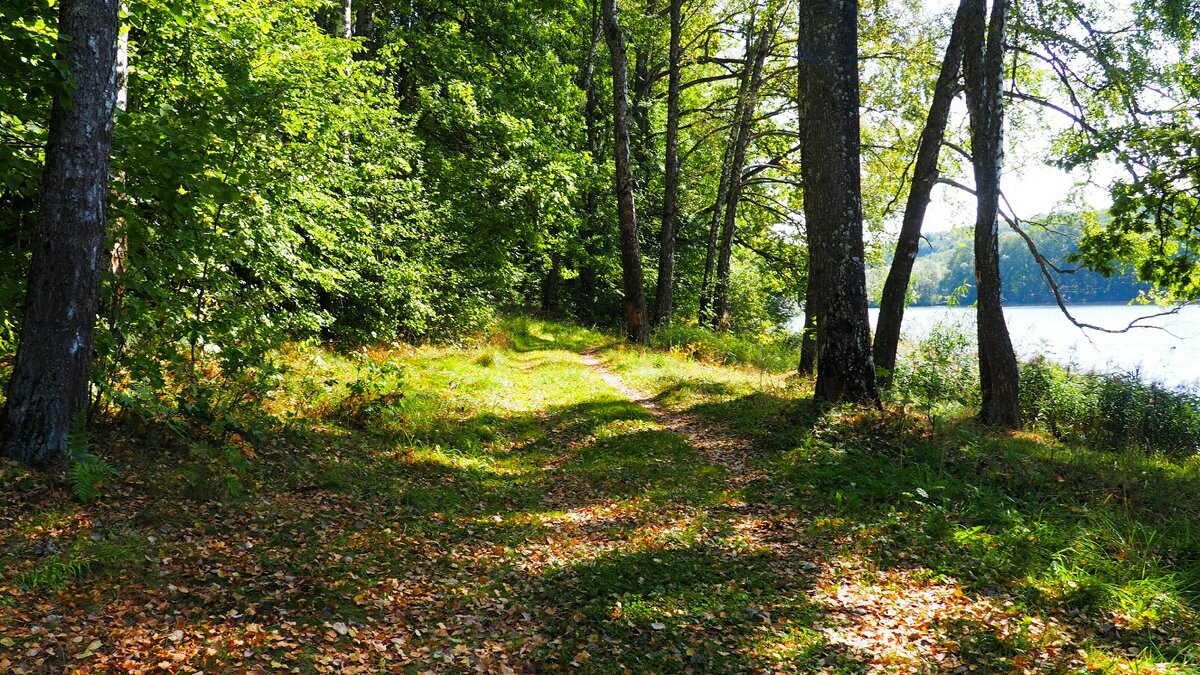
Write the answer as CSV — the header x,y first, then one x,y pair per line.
x,y
777,352
497,496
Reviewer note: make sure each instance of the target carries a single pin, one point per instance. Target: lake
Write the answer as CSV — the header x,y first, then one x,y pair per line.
x,y
1169,353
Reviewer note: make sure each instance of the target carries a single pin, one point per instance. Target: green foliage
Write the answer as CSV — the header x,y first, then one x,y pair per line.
x,y
119,552
1111,412
87,476
939,370
215,471
1134,85
378,385
776,351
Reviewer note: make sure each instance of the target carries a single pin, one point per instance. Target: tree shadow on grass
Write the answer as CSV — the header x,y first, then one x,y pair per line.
x,y
1092,539
701,605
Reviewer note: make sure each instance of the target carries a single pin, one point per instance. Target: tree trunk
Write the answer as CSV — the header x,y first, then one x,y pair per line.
x,y
631,261
364,27
754,61
550,285
642,141
110,303
983,69
704,316
925,175
663,294
48,389
830,146
591,114
120,247
344,21
808,334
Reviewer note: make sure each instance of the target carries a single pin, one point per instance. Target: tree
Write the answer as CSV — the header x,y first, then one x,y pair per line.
x,y
983,69
829,161
740,142
1126,81
664,290
631,262
344,21
586,80
48,389
925,175
808,333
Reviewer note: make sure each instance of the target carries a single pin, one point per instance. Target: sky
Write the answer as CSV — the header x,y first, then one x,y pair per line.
x,y
1032,186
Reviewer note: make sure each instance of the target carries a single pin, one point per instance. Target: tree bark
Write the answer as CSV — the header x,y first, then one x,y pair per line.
x,y
808,334
642,141
983,69
48,389
364,27
344,21
550,285
830,147
754,61
631,262
586,302
664,291
925,175
704,316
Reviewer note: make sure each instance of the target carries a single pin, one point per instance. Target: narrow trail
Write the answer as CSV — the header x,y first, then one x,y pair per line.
x,y
716,445
887,617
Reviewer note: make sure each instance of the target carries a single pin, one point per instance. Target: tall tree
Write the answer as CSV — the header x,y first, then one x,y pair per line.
x,y
48,388
829,157
740,138
664,290
586,81
983,70
631,261
925,176
705,314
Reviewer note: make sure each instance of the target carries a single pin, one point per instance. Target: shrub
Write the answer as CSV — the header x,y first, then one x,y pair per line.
x,y
938,371
1110,411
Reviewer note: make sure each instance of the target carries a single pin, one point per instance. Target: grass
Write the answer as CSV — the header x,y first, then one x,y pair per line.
x,y
498,505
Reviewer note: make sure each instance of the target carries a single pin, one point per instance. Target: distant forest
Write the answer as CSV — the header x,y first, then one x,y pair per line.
x,y
945,268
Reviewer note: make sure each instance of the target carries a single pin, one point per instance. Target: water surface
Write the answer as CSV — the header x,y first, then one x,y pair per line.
x,y
1168,353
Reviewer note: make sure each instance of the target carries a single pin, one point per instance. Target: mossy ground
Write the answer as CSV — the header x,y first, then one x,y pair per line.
x,y
498,507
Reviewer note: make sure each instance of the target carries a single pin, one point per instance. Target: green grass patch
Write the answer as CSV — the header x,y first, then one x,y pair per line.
x,y
496,502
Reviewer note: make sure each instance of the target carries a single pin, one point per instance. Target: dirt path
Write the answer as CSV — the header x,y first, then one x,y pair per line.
x,y
891,619
718,446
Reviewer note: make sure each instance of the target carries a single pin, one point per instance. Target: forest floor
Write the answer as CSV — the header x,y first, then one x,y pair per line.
x,y
550,499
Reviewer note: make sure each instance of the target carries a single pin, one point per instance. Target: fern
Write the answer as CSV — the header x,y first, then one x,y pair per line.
x,y
87,475
53,574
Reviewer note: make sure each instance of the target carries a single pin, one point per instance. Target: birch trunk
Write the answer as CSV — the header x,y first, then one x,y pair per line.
x,y
755,61
664,291
983,69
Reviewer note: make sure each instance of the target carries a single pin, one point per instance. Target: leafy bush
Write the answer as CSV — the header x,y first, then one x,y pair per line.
x,y
1110,411
937,371
378,385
